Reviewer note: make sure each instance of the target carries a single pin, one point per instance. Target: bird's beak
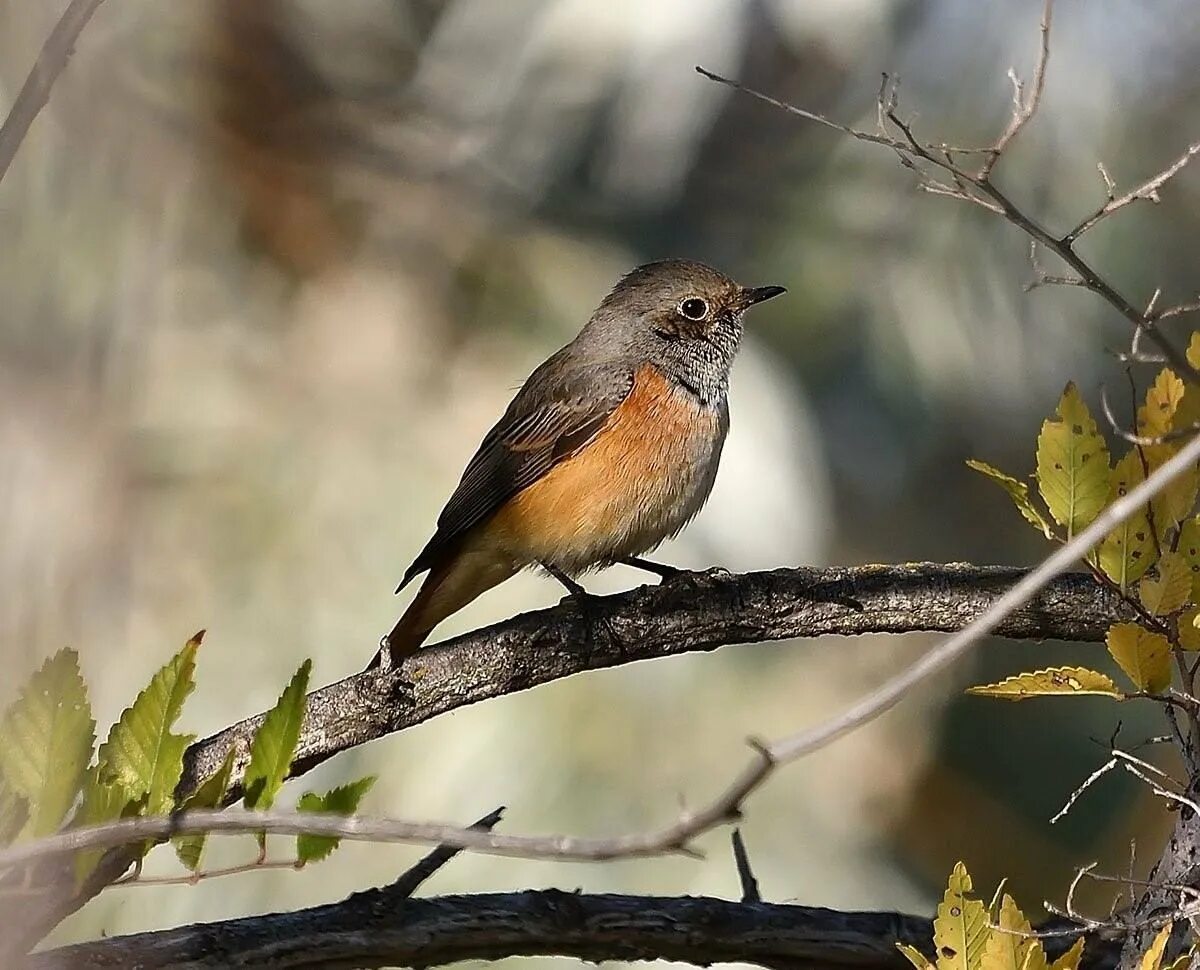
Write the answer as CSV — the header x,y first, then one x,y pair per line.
x,y
757,294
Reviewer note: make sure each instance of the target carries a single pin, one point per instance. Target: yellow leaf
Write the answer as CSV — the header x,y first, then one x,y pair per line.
x,y
1189,628
915,956
1144,656
960,929
1011,944
1128,551
1181,962
1054,681
1171,588
1018,491
1152,958
1193,351
1070,959
1072,464
1162,401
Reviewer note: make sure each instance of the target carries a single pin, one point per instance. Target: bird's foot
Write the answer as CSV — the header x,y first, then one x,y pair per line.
x,y
386,664
590,605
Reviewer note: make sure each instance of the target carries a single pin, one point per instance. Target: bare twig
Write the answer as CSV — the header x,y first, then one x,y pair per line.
x,y
741,860
1147,191
1023,108
35,92
412,879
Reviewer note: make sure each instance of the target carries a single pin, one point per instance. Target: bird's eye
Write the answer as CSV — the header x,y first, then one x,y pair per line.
x,y
694,308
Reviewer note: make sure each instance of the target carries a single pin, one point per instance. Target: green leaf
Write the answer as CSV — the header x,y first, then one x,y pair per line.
x,y
1144,656
1072,464
1170,588
1051,682
1128,551
141,753
1018,491
14,812
189,848
275,742
960,930
342,800
104,800
46,740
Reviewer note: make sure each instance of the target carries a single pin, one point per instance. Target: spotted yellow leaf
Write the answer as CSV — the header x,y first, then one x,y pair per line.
x,y
1189,628
1163,397
960,929
1018,491
1054,681
1171,586
1128,551
1072,464
1144,656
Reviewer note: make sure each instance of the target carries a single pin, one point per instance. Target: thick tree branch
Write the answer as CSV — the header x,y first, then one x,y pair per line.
x,y
377,929
35,92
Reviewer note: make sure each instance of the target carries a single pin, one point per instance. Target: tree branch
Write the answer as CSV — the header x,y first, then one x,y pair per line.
x,y
35,92
695,612
376,928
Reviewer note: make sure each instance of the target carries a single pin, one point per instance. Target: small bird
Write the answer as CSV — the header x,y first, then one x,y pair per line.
x,y
610,447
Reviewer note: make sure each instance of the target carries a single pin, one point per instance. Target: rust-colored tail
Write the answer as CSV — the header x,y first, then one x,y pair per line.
x,y
446,590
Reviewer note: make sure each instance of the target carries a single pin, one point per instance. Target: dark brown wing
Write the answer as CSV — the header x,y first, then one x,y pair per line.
x,y
557,412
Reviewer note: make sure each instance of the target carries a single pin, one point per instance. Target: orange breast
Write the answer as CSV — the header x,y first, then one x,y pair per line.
x,y
647,472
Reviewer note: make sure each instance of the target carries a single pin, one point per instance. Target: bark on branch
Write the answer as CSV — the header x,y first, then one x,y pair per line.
x,y
379,928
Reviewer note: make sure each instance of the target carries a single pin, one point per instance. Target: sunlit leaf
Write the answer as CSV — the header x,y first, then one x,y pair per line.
x,y
1193,350
210,794
1189,628
275,742
1155,417
1170,588
1011,944
914,956
960,929
1070,959
342,800
1053,681
141,753
1018,491
1072,464
1128,551
1152,958
105,799
1144,656
46,740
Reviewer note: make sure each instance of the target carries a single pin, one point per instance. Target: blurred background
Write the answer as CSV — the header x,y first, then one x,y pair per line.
x,y
269,270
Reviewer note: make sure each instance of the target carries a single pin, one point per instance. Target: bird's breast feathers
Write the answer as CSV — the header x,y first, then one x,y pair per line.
x,y
640,480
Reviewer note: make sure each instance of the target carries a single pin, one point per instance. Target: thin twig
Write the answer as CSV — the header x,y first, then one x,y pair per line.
x,y
35,92
741,860
1023,108
413,878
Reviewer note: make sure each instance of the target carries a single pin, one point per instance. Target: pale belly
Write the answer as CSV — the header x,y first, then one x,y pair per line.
x,y
644,476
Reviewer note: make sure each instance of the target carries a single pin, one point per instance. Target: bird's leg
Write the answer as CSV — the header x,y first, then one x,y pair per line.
x,y
659,569
588,602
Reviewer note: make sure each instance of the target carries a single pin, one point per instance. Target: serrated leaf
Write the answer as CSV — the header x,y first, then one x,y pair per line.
x,y
914,956
1018,491
1072,464
1128,551
342,800
1171,587
14,812
1152,958
1070,959
46,740
141,753
275,742
1156,417
1189,629
1144,656
104,800
1011,944
1181,962
210,794
1051,682
960,929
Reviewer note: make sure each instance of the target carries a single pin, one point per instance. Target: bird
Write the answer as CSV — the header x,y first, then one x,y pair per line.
x,y
610,447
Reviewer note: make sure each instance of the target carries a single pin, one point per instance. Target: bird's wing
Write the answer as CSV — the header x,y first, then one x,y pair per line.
x,y
549,420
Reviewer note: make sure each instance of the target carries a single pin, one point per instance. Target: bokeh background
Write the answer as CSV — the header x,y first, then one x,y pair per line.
x,y
270,269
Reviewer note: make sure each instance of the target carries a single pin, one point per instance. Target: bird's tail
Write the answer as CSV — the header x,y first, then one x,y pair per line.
x,y
446,590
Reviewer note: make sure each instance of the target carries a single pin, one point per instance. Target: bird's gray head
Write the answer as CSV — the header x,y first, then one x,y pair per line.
x,y
683,317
